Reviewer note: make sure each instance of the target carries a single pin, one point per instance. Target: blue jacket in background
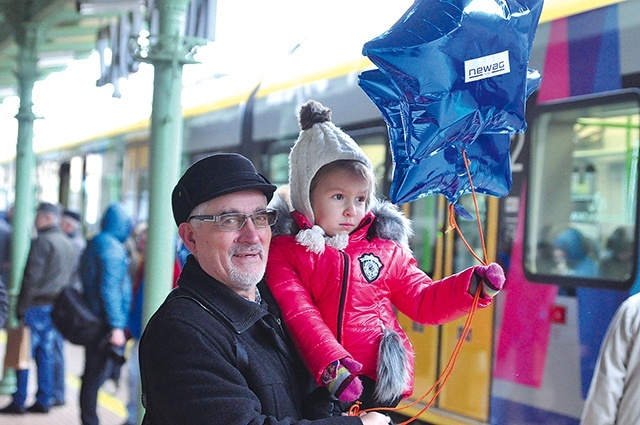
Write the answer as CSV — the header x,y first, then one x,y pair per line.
x,y
104,269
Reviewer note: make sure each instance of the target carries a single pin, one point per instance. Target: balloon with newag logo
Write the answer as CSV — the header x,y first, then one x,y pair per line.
x,y
449,72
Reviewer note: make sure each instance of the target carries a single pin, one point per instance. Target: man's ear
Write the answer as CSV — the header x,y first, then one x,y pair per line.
x,y
186,233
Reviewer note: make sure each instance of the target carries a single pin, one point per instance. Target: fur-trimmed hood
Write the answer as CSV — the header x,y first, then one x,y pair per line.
x,y
389,221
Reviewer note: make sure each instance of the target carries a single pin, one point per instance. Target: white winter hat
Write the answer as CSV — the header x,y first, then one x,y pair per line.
x,y
320,142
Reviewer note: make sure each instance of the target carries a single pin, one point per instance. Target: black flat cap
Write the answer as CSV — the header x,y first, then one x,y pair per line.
x,y
47,207
214,176
73,214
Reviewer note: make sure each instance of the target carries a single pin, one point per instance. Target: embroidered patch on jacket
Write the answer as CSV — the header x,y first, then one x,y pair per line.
x,y
370,266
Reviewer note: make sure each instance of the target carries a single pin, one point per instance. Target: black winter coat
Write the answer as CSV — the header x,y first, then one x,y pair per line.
x,y
230,365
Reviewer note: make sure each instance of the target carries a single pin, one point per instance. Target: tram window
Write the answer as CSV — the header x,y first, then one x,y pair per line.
x,y
463,257
581,218
425,219
279,168
375,147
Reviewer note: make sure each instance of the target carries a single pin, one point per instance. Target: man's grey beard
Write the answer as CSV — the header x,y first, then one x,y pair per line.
x,y
247,279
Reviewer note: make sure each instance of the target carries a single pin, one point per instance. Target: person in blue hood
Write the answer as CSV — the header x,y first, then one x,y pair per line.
x,y
570,251
107,290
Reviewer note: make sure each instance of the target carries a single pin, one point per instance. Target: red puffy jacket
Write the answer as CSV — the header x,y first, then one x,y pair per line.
x,y
338,303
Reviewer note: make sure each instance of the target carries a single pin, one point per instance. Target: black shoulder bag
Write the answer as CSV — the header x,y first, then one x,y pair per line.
x,y
73,319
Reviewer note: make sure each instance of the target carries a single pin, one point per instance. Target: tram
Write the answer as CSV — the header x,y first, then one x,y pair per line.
x,y
529,358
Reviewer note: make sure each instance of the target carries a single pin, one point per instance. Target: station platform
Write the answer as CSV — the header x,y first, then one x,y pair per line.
x,y
112,398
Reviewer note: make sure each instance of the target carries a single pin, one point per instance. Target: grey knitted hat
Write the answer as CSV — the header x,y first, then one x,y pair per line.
x,y
320,142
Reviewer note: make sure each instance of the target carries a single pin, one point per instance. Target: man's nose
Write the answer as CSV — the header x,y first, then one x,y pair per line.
x,y
249,231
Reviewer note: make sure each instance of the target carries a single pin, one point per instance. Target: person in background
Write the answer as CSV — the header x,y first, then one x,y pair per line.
x,y
617,263
615,387
5,245
181,253
135,326
72,227
107,290
342,266
215,351
50,265
5,262
135,255
4,303
571,254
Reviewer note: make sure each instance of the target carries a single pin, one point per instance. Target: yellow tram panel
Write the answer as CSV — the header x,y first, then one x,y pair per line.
x,y
466,392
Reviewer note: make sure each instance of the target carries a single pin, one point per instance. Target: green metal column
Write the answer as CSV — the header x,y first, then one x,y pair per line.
x,y
169,50
27,36
167,55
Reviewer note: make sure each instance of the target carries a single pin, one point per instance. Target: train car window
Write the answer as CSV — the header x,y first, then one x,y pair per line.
x,y
582,199
7,185
135,181
279,168
48,180
426,225
462,257
94,191
376,153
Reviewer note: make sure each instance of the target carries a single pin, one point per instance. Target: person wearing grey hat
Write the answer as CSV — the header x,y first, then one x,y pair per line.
x,y
345,262
72,227
215,351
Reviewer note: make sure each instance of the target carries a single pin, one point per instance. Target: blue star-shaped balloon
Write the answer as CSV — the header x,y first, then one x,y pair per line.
x,y
453,76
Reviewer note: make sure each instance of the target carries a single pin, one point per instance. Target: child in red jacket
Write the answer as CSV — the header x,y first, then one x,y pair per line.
x,y
339,265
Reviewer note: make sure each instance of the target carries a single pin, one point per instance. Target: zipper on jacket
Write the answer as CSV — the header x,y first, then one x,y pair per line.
x,y
343,296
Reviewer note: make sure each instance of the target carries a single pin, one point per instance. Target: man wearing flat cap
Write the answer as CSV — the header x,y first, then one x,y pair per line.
x,y
50,264
215,351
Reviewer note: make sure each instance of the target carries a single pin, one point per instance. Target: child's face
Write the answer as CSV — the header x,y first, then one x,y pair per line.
x,y
339,202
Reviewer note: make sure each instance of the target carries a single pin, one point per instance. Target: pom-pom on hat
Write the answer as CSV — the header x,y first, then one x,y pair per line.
x,y
320,142
213,176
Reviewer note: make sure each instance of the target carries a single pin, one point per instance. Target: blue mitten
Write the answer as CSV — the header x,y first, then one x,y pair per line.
x,y
339,377
492,279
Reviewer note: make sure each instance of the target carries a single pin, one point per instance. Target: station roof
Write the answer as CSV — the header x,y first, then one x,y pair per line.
x,y
68,31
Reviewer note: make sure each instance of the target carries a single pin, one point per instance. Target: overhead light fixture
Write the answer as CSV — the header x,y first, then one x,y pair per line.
x,y
102,7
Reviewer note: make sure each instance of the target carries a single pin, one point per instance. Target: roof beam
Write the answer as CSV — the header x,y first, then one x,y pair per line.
x,y
85,45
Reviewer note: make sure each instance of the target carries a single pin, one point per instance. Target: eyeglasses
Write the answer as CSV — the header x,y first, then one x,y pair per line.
x,y
235,221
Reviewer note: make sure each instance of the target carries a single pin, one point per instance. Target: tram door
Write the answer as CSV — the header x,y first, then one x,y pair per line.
x,y
441,252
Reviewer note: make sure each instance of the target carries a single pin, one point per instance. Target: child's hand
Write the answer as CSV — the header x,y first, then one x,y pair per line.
x,y
492,279
340,379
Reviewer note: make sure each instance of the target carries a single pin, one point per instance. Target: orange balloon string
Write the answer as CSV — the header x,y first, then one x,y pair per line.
x,y
448,369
